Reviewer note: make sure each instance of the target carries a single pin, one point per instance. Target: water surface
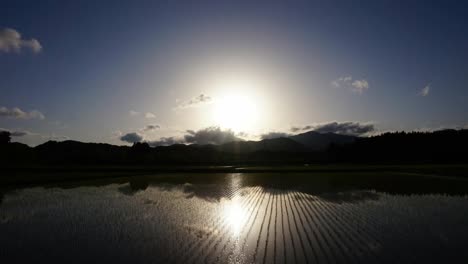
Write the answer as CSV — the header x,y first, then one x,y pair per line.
x,y
233,218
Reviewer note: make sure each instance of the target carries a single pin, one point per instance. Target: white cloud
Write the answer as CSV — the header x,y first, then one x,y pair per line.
x,y
17,113
358,86
342,80
150,115
425,91
11,41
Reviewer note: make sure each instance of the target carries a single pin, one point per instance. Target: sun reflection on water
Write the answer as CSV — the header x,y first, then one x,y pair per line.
x,y
234,212
235,215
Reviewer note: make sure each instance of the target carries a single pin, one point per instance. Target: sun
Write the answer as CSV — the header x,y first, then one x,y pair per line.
x,y
237,104
237,112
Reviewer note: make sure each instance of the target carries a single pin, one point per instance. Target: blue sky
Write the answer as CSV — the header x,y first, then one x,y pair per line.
x,y
98,71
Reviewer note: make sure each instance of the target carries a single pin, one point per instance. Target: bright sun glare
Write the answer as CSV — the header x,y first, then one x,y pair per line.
x,y
235,216
236,112
237,108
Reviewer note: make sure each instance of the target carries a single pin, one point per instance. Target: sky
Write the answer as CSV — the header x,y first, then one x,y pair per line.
x,y
209,71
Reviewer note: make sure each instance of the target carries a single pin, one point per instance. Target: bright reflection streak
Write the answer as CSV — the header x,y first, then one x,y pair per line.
x,y
235,215
234,212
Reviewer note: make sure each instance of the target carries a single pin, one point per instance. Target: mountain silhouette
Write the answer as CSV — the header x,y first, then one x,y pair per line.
x,y
320,141
445,146
275,144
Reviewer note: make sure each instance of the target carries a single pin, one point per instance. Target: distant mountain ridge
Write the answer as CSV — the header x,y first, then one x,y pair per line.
x,y
309,141
275,144
445,146
320,141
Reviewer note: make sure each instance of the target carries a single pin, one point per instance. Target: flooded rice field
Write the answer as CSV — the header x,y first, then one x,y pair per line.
x,y
232,218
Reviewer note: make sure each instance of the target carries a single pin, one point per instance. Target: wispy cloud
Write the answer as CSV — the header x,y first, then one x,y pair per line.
x,y
295,129
343,128
360,86
17,133
134,113
17,113
425,91
150,128
150,115
12,41
194,102
355,85
147,115
342,80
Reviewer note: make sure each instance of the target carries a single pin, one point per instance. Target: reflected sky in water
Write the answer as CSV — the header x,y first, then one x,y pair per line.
x,y
228,220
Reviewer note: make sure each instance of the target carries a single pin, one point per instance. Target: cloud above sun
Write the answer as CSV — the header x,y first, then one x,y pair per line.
x,y
12,41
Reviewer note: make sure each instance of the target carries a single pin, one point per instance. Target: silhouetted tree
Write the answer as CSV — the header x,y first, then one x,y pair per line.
x,y
139,147
5,137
